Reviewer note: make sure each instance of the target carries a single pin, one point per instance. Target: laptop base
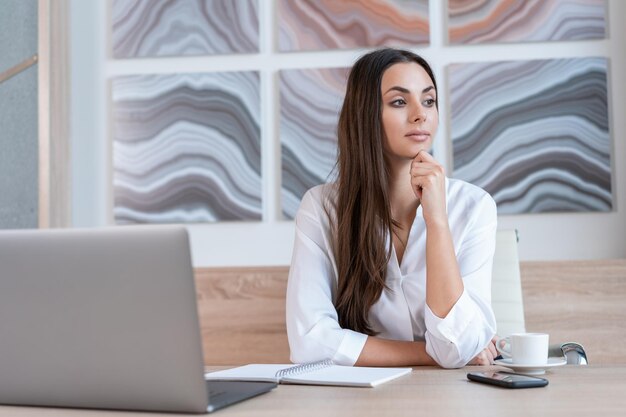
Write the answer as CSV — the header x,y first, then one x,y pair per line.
x,y
224,393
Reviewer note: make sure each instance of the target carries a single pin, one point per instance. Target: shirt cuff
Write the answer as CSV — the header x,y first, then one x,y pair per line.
x,y
350,348
449,328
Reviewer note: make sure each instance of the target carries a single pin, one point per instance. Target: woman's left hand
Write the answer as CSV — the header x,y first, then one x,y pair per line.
x,y
487,355
428,181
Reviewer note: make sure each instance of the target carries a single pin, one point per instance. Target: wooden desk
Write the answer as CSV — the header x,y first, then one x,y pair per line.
x,y
573,391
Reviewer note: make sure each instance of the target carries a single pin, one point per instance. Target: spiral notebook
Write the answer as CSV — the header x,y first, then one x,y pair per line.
x,y
314,373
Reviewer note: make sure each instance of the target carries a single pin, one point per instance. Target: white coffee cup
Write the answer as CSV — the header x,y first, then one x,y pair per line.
x,y
525,348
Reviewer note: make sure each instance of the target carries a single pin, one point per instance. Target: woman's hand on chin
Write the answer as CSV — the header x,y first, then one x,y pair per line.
x,y
428,181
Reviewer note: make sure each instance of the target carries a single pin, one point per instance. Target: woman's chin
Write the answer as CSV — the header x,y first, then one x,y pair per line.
x,y
412,153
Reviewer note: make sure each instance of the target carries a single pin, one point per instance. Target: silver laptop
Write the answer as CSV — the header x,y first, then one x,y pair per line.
x,y
104,318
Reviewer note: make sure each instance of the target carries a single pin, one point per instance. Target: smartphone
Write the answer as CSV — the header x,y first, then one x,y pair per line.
x,y
507,380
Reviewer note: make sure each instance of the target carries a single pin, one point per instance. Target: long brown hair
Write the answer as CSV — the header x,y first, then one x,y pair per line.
x,y
362,206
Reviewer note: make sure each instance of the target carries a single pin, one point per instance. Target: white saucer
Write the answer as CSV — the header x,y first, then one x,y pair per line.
x,y
531,369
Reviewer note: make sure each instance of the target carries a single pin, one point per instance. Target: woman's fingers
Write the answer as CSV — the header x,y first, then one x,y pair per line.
x,y
487,355
422,179
425,174
492,347
434,166
482,358
428,184
423,170
424,156
417,190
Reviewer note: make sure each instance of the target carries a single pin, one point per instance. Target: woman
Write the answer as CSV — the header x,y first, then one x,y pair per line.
x,y
392,262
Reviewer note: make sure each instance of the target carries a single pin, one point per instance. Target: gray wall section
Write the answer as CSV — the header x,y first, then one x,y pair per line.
x,y
18,31
18,117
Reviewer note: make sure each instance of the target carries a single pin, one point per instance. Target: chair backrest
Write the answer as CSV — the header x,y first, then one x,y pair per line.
x,y
506,285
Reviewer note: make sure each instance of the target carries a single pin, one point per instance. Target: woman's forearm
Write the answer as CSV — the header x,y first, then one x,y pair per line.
x,y
384,352
443,279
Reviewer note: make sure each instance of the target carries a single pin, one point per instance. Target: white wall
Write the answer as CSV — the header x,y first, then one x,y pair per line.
x,y
542,236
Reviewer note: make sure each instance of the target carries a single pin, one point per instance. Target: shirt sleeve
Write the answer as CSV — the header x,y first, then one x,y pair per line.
x,y
466,330
312,323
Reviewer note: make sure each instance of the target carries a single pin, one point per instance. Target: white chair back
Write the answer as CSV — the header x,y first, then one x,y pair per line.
x,y
506,285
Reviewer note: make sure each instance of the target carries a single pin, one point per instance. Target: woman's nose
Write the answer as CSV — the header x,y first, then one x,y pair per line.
x,y
418,116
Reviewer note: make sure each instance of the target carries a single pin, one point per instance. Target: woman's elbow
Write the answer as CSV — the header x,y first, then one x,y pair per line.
x,y
303,348
299,354
446,354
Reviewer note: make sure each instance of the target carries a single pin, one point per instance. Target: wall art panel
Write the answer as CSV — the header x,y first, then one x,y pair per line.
x,y
153,28
345,24
534,134
310,101
186,148
484,21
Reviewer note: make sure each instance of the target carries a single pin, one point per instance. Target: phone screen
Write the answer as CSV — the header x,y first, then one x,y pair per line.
x,y
503,376
506,379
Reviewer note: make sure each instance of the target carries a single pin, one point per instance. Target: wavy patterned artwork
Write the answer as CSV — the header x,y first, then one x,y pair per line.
x,y
345,24
186,148
483,21
152,28
534,134
310,101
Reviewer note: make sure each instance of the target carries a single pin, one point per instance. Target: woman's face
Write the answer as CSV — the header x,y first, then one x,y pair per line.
x,y
410,117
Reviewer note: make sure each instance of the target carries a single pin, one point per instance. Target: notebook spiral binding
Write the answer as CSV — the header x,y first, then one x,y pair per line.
x,y
303,368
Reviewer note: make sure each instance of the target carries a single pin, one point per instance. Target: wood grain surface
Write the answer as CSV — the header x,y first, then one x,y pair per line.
x,y
242,310
580,301
242,314
573,391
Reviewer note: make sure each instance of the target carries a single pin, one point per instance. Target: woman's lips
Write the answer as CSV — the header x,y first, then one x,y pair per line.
x,y
418,136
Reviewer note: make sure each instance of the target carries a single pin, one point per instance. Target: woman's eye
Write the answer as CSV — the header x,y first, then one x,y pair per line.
x,y
398,102
429,103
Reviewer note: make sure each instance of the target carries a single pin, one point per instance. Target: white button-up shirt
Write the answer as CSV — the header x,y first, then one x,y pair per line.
x,y
401,312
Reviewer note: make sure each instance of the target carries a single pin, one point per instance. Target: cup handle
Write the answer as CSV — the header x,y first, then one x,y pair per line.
x,y
503,346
